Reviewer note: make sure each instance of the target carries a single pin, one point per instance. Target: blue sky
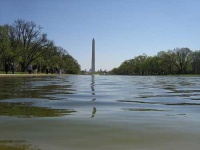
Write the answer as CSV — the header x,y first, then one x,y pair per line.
x,y
122,29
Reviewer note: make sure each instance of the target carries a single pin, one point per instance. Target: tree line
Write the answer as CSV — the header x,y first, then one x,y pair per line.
x,y
23,43
177,61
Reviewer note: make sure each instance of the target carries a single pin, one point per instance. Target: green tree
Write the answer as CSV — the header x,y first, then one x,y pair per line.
x,y
195,62
152,65
59,58
24,43
28,42
5,50
71,65
183,58
167,61
140,67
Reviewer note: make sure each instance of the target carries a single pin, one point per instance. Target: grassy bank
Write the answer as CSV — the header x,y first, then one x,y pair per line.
x,y
23,74
3,72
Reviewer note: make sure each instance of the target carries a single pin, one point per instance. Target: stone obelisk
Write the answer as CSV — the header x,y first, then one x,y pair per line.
x,y
93,56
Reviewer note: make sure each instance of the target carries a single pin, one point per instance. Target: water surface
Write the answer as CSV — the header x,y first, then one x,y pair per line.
x,y
100,112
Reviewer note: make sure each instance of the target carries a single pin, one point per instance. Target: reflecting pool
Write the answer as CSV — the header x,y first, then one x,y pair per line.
x,y
96,112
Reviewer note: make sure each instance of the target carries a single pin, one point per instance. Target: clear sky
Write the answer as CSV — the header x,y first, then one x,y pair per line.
x,y
122,29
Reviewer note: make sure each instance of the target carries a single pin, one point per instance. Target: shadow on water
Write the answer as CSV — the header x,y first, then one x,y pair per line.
x,y
16,145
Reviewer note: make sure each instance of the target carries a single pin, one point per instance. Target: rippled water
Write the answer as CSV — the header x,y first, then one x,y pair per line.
x,y
100,112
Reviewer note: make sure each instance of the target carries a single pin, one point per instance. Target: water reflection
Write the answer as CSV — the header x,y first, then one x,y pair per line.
x,y
92,85
113,91
26,110
44,87
16,145
93,112
141,111
15,87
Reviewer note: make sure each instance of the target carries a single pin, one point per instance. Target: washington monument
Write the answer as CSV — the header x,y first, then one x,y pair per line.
x,y
93,56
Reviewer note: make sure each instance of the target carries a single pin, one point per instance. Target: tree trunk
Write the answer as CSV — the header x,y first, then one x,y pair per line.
x,y
23,68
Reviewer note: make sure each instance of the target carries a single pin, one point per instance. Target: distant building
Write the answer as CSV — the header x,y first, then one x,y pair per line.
x,y
93,57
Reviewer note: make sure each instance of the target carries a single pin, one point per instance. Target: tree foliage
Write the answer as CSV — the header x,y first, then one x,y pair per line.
x,y
24,43
177,61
